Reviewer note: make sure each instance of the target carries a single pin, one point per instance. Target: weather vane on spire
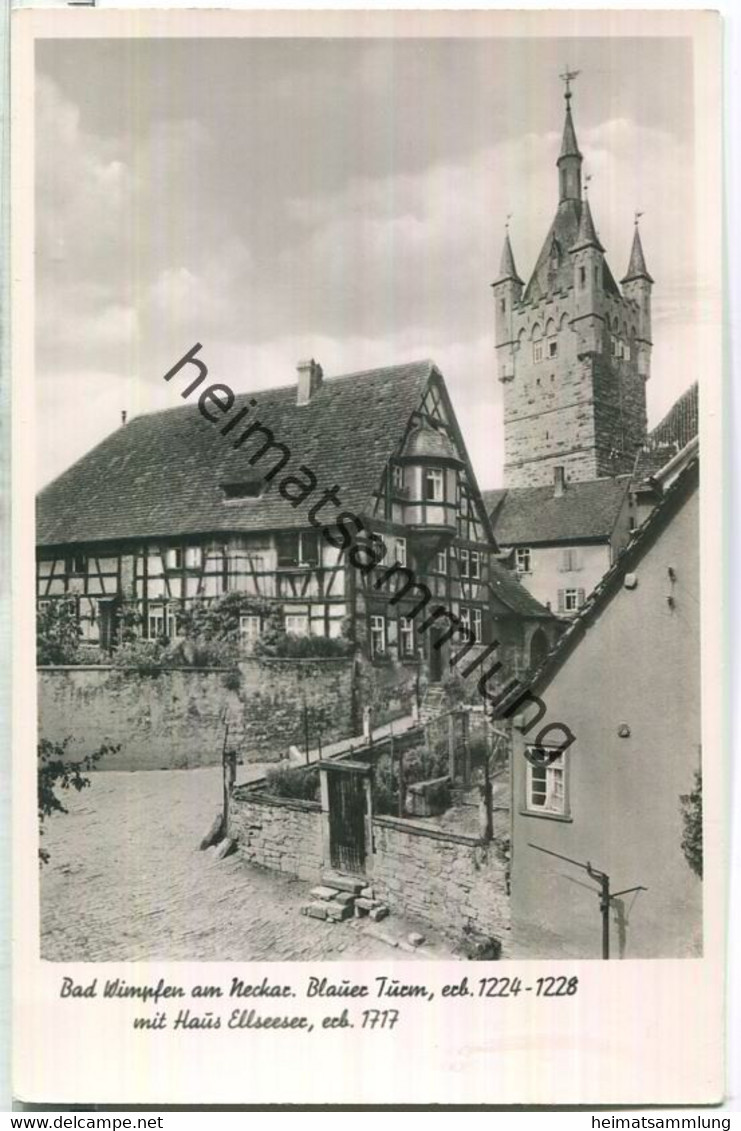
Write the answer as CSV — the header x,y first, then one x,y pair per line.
x,y
567,78
506,222
587,179
636,218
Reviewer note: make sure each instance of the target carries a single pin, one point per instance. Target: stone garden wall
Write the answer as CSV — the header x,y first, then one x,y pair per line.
x,y
278,833
453,881
175,718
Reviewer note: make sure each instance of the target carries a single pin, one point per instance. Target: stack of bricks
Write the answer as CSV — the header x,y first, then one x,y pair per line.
x,y
338,898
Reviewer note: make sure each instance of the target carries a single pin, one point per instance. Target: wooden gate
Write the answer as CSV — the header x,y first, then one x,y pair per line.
x,y
347,817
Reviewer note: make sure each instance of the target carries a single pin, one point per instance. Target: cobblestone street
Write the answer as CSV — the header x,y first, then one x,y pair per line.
x,y
127,882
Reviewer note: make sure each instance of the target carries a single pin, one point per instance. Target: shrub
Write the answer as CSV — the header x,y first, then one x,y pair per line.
x,y
57,633
386,790
232,680
201,654
212,620
146,657
285,645
293,782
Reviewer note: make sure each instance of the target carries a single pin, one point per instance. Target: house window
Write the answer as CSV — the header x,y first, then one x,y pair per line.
x,y
465,618
475,565
296,624
174,558
553,348
406,636
250,628
569,600
546,781
537,351
582,277
570,559
76,563
298,549
399,551
476,625
434,485
522,559
161,622
441,561
193,557
397,477
471,622
377,636
464,560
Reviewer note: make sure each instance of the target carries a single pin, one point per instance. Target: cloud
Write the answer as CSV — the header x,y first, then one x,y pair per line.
x,y
178,223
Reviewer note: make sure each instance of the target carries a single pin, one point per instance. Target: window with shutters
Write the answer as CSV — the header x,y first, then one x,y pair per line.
x,y
570,600
464,561
546,785
475,565
441,562
570,559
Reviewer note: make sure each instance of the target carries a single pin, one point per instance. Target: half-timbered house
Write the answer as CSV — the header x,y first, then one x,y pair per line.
x,y
169,510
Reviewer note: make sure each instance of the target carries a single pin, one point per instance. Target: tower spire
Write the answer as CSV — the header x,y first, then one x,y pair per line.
x,y
587,234
569,159
507,269
637,266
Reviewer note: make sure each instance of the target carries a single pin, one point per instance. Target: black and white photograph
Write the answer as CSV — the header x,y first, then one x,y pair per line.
x,y
370,374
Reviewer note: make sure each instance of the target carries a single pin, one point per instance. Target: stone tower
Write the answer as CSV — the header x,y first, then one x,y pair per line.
x,y
573,350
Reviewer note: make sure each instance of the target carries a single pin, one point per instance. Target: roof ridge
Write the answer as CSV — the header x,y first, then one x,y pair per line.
x,y
428,362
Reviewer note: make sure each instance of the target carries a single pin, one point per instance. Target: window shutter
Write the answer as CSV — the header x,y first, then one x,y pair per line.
x,y
561,602
581,597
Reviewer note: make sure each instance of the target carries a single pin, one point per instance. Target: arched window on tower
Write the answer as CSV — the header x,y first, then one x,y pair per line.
x,y
537,337
551,339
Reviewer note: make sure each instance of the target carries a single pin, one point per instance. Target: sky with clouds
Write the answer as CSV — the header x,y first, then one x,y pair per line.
x,y
278,199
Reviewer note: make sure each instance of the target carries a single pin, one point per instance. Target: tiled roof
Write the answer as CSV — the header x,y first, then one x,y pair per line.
x,y
642,540
533,515
563,234
507,587
680,425
674,432
160,475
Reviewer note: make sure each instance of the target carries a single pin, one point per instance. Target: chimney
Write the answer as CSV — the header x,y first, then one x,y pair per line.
x,y
559,482
123,416
309,380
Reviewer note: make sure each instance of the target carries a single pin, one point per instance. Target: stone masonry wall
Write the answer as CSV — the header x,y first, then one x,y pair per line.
x,y
175,718
450,881
278,833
